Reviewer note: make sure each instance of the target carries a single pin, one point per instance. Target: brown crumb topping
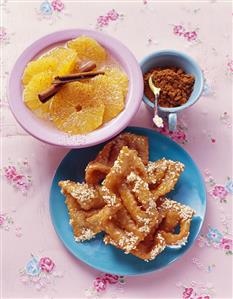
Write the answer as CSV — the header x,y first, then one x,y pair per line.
x,y
176,86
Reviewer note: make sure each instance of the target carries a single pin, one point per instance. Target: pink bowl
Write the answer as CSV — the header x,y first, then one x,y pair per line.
x,y
45,130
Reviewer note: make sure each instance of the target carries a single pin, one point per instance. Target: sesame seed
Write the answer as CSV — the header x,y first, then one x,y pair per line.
x,y
139,184
183,211
144,229
86,234
180,243
128,241
158,248
71,221
116,166
109,197
82,192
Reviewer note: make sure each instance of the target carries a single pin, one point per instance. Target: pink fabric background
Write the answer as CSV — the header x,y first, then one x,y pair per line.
x,y
144,27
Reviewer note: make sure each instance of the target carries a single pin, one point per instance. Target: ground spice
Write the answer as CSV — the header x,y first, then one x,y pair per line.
x,y
176,86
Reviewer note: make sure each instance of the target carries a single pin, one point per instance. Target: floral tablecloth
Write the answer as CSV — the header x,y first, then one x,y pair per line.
x,y
34,263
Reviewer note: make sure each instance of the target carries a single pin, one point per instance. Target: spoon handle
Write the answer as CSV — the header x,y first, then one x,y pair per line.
x,y
156,105
158,121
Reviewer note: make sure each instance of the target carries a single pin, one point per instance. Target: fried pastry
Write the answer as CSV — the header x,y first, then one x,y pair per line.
x,y
156,171
126,162
172,214
149,248
128,178
126,233
78,220
175,214
87,196
86,224
123,196
97,170
168,182
111,150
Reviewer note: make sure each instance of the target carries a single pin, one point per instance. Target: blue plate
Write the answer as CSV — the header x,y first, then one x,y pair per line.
x,y
189,190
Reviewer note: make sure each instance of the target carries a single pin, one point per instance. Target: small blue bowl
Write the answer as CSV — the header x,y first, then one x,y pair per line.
x,y
168,58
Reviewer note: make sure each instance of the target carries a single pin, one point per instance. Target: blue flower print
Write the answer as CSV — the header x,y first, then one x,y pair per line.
x,y
229,186
214,235
46,8
32,267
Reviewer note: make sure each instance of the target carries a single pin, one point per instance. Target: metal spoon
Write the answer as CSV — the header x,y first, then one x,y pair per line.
x,y
158,121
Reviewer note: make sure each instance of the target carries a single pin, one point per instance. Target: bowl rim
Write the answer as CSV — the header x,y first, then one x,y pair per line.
x,y
190,60
58,138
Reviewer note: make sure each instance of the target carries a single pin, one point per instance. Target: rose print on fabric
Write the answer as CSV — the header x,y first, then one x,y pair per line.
x,y
196,290
189,293
104,281
50,7
39,272
8,224
215,238
5,36
46,264
51,10
226,244
57,5
189,35
109,17
2,219
180,135
219,192
178,30
18,175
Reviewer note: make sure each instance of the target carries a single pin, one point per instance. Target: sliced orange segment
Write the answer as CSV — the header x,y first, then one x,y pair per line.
x,y
66,58
35,67
37,84
60,61
110,93
75,111
88,49
119,77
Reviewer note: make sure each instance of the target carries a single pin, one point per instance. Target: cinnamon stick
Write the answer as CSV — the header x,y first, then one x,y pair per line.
x,y
87,67
47,94
75,77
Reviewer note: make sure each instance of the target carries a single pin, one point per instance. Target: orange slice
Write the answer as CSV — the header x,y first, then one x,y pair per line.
x,y
88,49
37,84
110,93
119,77
66,58
35,67
75,111
60,61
